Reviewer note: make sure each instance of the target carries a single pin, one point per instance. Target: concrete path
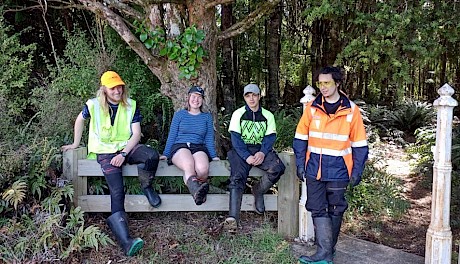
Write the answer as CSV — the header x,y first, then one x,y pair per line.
x,y
355,251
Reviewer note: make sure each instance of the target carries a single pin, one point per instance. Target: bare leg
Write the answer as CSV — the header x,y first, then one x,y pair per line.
x,y
201,165
184,160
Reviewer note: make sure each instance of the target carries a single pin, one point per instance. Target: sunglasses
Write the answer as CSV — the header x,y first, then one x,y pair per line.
x,y
328,84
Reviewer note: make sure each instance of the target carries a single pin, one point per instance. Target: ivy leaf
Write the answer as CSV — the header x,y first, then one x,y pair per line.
x,y
149,43
143,37
163,51
200,36
173,56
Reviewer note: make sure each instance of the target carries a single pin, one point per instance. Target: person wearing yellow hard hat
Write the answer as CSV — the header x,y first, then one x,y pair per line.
x,y
114,134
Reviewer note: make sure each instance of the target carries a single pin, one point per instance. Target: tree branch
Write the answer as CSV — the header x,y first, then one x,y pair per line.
x,y
155,64
254,17
54,4
218,2
122,7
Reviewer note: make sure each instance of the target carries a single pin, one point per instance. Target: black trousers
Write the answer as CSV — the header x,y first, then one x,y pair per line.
x,y
326,197
239,168
145,157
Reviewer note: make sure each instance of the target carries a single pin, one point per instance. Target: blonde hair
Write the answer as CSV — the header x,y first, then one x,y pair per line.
x,y
102,97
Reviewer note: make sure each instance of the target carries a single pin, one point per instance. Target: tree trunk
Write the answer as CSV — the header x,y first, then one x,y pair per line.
x,y
274,46
173,17
228,85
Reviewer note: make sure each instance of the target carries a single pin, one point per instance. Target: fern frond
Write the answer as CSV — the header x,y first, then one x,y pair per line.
x,y
16,193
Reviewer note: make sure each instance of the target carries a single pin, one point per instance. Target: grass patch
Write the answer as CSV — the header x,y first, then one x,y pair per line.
x,y
198,237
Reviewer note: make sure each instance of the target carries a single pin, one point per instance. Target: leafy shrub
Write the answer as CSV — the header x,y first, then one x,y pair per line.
x,y
379,193
422,149
15,69
286,124
45,237
425,140
63,94
410,115
41,228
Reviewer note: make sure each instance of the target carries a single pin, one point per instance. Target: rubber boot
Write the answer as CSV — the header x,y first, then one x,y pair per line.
x,y
197,189
323,233
258,190
146,178
118,223
336,225
231,222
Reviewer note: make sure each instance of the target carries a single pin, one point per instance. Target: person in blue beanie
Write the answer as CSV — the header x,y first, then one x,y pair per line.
x,y
190,144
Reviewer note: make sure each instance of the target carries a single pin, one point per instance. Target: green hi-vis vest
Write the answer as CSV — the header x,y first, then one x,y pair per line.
x,y
103,137
252,126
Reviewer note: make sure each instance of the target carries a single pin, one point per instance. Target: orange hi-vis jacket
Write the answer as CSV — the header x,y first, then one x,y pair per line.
x,y
331,147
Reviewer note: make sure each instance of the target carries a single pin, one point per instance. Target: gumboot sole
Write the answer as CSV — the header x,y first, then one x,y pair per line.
x,y
200,196
137,245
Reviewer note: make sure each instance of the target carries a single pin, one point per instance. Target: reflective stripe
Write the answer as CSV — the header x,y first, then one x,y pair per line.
x,y
350,115
361,143
301,136
330,152
312,110
331,136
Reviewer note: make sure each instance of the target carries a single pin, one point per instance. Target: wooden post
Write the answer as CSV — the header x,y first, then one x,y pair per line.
x,y
306,229
438,248
288,194
70,171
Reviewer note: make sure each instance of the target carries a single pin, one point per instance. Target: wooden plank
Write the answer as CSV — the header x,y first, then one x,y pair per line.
x,y
288,198
70,171
173,202
90,168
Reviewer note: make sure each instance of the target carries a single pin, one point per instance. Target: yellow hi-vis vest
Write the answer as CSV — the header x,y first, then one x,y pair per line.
x,y
103,137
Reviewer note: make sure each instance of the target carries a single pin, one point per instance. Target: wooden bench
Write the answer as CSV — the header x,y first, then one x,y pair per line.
x,y
77,169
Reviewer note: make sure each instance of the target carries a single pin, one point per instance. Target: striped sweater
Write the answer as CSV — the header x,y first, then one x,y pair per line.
x,y
196,129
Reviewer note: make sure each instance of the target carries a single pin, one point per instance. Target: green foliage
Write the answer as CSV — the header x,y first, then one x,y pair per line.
x,y
15,194
410,115
45,237
156,109
286,124
422,150
132,185
172,184
378,194
185,49
425,141
67,89
33,163
97,185
15,68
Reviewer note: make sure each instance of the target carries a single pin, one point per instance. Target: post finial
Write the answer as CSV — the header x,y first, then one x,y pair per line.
x,y
445,99
309,94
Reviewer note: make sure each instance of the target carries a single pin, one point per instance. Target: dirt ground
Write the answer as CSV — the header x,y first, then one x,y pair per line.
x,y
407,233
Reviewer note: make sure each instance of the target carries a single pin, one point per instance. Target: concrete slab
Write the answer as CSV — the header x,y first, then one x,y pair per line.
x,y
351,250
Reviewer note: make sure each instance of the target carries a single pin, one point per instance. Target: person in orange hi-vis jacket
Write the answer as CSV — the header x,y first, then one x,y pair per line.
x,y
331,150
